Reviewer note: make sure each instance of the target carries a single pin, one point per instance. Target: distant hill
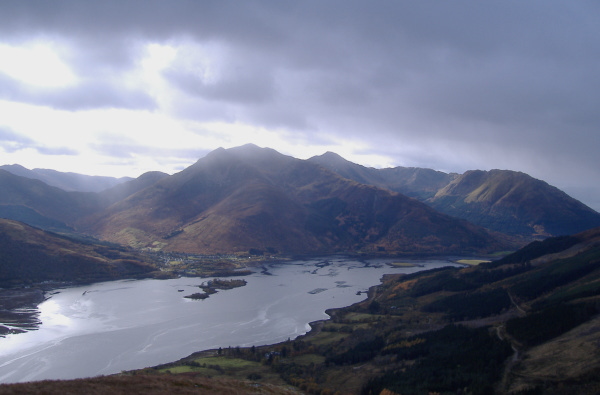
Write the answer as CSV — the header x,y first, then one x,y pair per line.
x,y
67,181
501,200
51,208
31,217
127,188
514,203
416,182
29,255
39,204
256,198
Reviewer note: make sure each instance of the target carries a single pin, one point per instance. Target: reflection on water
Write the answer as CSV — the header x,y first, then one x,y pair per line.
x,y
108,327
51,315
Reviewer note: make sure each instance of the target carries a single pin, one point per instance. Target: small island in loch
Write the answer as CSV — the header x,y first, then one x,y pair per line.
x,y
213,286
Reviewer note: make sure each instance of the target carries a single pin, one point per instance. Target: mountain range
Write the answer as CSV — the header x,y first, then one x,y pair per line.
x,y
256,199
505,201
67,181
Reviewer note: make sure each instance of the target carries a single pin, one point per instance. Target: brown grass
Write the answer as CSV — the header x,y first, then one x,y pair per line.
x,y
568,357
146,384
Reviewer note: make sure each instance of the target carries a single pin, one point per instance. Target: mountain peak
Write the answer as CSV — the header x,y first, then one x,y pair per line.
x,y
337,163
249,146
242,151
14,166
330,157
253,150
330,154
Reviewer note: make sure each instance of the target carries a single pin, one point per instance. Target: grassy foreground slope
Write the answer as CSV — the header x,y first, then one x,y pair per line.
x,y
149,385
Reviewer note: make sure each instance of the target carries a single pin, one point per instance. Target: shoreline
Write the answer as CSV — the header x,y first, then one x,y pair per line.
x,y
19,310
315,329
18,313
314,326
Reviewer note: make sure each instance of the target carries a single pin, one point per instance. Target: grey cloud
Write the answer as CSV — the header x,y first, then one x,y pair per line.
x,y
501,84
239,87
97,95
123,148
11,141
150,19
56,151
89,95
7,135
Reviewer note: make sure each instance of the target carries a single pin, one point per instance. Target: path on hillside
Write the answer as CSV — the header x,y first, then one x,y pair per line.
x,y
512,300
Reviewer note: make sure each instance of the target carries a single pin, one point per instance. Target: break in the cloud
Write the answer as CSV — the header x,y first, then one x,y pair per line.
x,y
121,87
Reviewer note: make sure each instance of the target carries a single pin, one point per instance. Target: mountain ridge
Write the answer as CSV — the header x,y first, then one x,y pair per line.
x,y
247,197
490,197
250,197
420,183
501,200
68,181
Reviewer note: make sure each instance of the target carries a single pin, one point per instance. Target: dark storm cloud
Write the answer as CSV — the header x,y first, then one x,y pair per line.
x,y
242,86
505,84
465,59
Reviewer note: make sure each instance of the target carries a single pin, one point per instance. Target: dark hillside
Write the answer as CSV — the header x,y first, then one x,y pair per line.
x,y
29,255
47,201
31,217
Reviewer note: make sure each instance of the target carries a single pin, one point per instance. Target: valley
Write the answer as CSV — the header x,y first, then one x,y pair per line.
x,y
523,324
511,283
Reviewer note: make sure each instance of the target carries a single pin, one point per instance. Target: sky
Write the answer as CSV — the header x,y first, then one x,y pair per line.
x,y
122,87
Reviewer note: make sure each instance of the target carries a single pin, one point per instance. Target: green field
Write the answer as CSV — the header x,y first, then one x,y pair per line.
x,y
471,262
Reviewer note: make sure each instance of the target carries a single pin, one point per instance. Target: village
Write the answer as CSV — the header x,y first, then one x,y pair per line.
x,y
209,265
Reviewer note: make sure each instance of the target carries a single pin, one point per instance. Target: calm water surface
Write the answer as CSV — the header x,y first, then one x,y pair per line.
x,y
109,327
